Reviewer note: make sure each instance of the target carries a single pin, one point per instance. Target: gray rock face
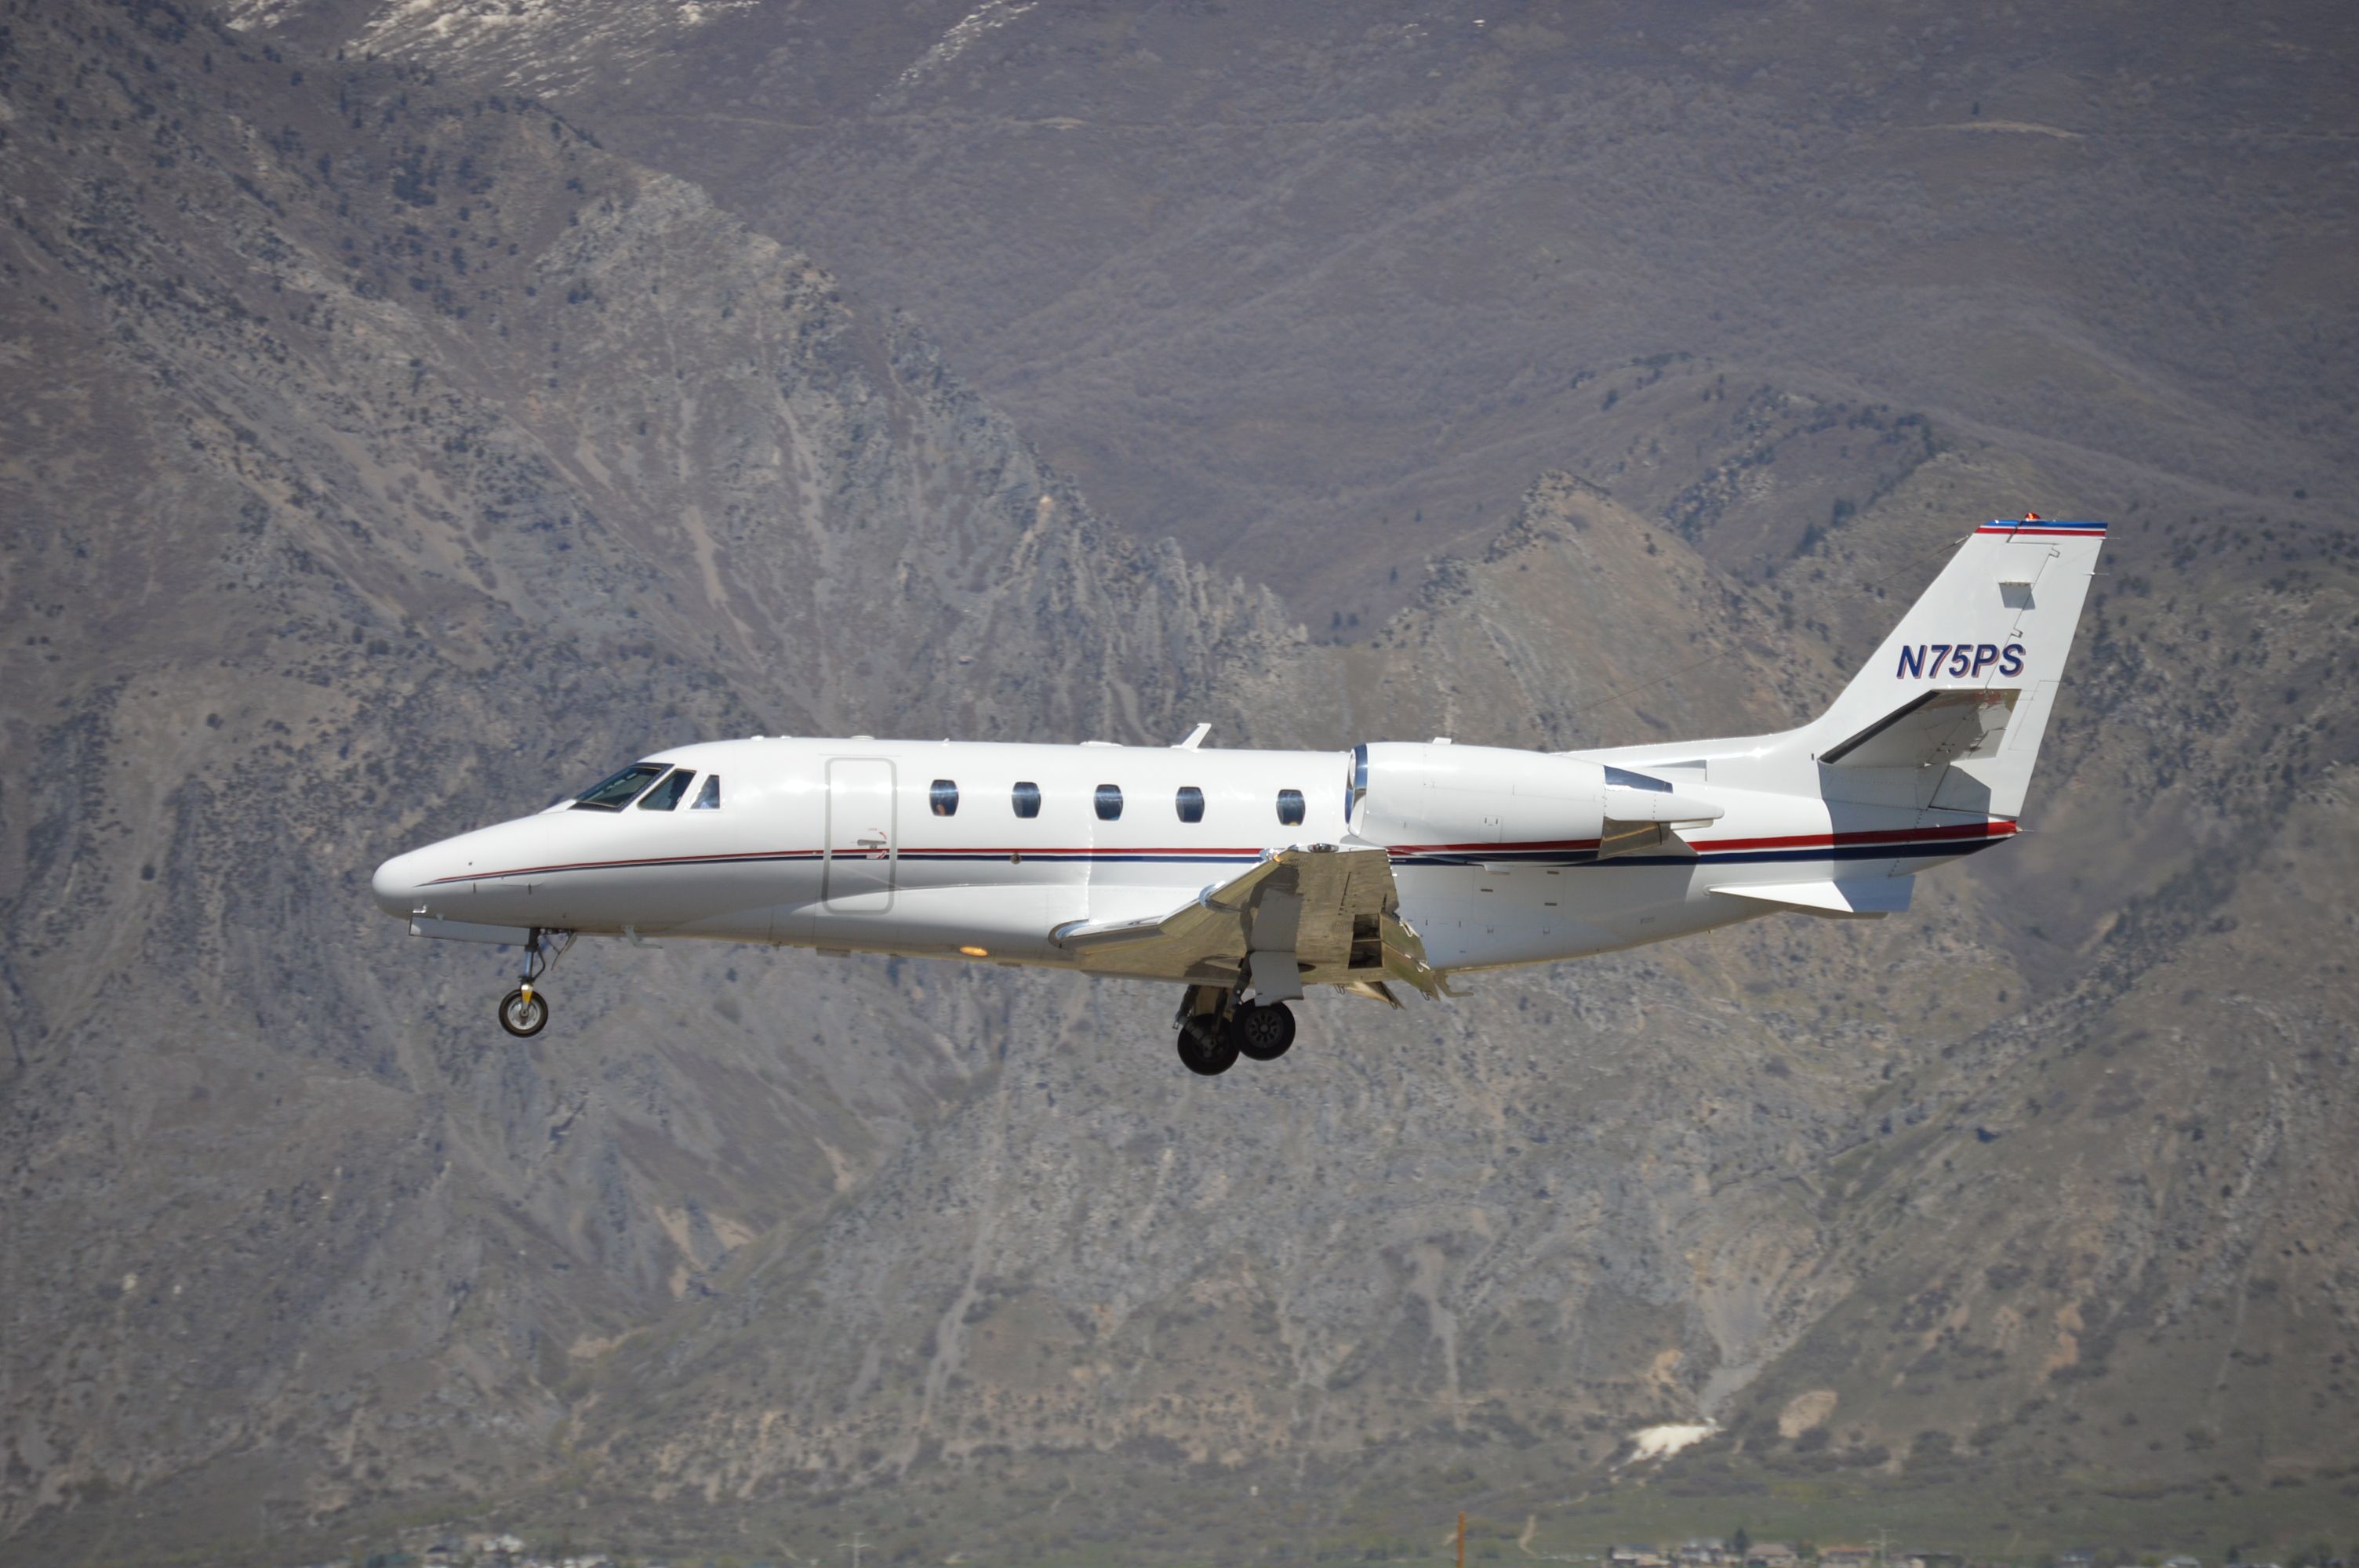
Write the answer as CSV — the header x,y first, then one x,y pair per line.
x,y
383,457
343,514
1267,282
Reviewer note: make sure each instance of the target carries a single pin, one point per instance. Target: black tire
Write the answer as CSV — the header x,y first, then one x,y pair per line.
x,y
523,1016
1262,1034
1205,1048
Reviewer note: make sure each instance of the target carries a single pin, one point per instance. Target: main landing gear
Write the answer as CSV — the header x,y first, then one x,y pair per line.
x,y
524,1012
1215,1029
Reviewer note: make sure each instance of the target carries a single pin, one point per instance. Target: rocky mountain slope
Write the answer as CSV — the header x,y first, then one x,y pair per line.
x,y
1949,1201
340,516
388,455
1268,281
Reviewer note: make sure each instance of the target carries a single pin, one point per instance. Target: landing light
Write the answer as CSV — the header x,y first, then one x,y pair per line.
x,y
977,951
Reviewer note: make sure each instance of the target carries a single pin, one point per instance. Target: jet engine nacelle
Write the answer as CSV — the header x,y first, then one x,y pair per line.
x,y
1434,795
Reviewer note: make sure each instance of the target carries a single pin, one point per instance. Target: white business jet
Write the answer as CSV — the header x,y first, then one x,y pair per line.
x,y
1247,876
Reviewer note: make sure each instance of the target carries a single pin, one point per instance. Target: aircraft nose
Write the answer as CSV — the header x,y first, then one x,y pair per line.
x,y
400,882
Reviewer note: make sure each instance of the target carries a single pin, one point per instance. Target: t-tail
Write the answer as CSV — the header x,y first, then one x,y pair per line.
x,y
1949,713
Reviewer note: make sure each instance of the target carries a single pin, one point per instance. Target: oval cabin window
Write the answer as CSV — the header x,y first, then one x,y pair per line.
x,y
1109,802
1191,801
1289,807
942,795
1025,798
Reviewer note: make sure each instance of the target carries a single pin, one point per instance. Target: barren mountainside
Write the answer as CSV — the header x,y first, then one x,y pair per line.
x,y
1272,279
383,455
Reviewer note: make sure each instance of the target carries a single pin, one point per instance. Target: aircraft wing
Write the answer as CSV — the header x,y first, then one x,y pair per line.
x,y
1330,910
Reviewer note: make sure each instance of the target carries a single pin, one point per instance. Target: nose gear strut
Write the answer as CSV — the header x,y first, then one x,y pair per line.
x,y
524,1012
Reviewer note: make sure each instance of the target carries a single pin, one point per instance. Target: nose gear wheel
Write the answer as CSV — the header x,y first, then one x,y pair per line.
x,y
523,1013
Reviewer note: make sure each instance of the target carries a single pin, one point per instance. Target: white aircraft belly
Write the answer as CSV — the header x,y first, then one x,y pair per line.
x,y
1473,918
1010,921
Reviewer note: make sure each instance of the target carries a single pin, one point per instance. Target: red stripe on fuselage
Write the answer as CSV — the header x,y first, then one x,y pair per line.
x,y
905,850
1997,827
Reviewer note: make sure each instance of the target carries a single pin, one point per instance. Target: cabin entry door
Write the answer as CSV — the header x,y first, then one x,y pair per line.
x,y
862,850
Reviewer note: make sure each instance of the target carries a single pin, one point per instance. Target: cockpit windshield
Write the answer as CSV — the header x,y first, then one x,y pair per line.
x,y
666,794
619,790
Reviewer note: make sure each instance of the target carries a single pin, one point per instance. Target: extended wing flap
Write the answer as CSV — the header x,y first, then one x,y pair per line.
x,y
1332,908
1209,914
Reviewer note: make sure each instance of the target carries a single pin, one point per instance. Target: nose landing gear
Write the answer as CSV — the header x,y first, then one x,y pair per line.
x,y
524,1012
1215,1029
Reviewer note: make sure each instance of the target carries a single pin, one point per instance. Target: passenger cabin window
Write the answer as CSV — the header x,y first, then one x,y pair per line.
x,y
1190,803
1025,798
709,798
618,790
1289,807
665,796
942,795
1109,802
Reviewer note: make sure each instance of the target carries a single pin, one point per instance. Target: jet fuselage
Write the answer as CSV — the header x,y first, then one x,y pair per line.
x,y
845,844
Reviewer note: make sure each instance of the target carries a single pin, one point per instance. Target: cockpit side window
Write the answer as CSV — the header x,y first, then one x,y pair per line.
x,y
618,790
666,795
709,798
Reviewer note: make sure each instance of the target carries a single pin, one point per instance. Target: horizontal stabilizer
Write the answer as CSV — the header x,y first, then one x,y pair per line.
x,y
1864,900
1932,728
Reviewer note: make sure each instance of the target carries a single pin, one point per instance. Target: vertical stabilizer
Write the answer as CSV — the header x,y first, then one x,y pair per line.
x,y
1967,680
